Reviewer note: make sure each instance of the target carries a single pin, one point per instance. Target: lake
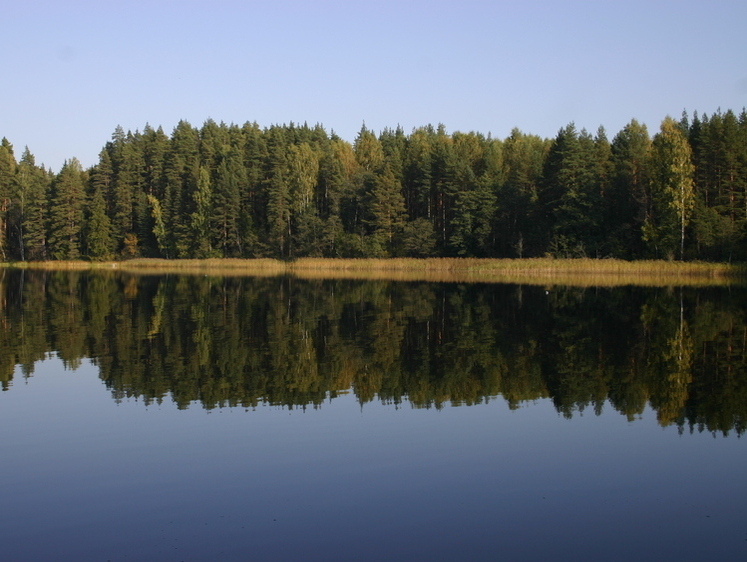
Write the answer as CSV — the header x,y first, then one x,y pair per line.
x,y
183,417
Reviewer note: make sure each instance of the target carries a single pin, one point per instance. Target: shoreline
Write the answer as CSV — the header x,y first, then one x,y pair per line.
x,y
530,271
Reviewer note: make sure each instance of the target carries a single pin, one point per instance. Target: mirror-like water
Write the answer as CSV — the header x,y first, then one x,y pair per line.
x,y
191,418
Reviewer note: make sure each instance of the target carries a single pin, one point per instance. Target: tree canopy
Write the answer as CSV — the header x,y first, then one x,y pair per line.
x,y
289,191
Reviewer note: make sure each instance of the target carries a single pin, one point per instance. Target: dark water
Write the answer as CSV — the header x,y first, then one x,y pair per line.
x,y
191,418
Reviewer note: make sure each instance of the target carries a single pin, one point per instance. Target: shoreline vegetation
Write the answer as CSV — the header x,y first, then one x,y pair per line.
x,y
531,271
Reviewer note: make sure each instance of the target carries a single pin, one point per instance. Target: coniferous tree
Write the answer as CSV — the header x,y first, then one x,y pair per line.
x,y
418,174
292,190
518,233
7,179
200,218
126,186
629,201
66,211
18,193
252,198
332,182
98,238
388,214
226,203
474,172
153,147
181,170
34,185
278,196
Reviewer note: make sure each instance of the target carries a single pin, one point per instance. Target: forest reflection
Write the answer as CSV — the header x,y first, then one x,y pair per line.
x,y
242,342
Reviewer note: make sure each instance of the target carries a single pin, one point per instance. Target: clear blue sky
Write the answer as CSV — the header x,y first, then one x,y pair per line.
x,y
74,70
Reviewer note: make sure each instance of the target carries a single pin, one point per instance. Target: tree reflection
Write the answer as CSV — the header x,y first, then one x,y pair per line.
x,y
224,342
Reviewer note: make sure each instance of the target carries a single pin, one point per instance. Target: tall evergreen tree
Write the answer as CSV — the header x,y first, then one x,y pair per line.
x,y
628,200
252,218
154,145
66,211
418,174
568,197
518,233
181,170
34,183
226,203
98,238
278,195
388,214
7,179
200,218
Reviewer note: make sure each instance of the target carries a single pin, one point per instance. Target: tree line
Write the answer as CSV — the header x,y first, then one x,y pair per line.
x,y
241,342
289,191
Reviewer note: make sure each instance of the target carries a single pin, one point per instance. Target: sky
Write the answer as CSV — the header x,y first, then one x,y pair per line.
x,y
74,70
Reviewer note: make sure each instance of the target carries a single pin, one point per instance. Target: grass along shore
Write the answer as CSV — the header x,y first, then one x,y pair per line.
x,y
535,271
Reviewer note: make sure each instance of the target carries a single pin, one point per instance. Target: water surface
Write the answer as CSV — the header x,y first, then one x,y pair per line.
x,y
192,418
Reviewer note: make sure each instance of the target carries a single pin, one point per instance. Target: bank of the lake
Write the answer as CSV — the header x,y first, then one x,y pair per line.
x,y
538,271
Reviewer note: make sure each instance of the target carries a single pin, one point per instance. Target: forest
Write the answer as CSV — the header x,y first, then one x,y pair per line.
x,y
290,191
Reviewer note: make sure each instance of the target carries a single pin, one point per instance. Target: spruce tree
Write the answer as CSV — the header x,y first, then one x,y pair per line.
x,y
66,211
200,218
628,201
34,184
7,180
388,209
518,230
226,204
98,237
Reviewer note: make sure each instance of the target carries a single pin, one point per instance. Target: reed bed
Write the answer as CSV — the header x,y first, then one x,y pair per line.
x,y
538,271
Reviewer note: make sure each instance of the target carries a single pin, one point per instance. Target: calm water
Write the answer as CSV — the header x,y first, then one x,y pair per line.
x,y
190,418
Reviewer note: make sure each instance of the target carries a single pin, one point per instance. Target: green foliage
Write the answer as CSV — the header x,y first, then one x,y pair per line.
x,y
67,212
7,175
629,200
388,209
98,235
672,190
200,218
291,191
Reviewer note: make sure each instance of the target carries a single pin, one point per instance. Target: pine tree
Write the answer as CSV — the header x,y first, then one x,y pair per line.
x,y
7,180
628,203
226,204
368,150
474,173
278,210
418,169
388,210
34,183
253,204
573,176
66,211
98,238
518,229
200,218
120,164
154,145
181,170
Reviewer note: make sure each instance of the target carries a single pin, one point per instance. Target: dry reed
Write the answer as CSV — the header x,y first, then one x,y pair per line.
x,y
539,271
